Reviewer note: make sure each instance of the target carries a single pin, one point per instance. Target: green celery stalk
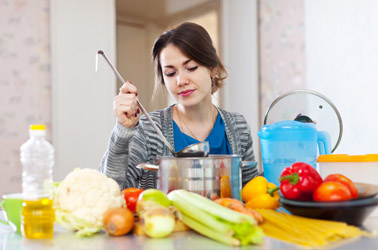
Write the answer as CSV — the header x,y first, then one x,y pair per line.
x,y
213,208
225,239
202,213
195,213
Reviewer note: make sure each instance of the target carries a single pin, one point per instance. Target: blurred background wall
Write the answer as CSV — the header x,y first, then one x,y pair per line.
x,y
25,81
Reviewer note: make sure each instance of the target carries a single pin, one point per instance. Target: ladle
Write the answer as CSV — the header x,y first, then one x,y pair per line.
x,y
200,149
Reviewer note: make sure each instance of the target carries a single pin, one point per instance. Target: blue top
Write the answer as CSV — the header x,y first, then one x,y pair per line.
x,y
217,138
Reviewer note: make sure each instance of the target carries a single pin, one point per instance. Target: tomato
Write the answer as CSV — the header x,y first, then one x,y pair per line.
x,y
344,180
131,197
331,191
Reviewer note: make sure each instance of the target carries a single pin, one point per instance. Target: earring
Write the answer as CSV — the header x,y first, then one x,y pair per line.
x,y
212,81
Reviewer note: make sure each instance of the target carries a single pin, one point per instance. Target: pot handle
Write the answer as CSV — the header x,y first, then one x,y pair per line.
x,y
248,164
148,166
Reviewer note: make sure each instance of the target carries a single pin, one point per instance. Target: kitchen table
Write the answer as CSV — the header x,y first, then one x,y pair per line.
x,y
64,239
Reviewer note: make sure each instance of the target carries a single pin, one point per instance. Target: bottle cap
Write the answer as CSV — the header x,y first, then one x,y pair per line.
x,y
37,130
37,127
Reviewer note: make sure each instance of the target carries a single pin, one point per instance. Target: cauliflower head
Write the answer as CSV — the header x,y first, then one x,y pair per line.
x,y
83,197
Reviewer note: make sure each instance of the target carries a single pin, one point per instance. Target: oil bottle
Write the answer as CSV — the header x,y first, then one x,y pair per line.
x,y
37,158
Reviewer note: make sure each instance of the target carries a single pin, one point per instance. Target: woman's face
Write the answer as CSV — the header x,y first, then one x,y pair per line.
x,y
188,82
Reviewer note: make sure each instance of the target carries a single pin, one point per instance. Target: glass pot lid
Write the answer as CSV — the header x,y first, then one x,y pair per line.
x,y
307,106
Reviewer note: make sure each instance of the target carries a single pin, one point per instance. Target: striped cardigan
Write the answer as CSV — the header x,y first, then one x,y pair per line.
x,y
131,146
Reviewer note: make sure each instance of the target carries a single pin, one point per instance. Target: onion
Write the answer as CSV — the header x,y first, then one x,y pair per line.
x,y
150,198
118,221
158,222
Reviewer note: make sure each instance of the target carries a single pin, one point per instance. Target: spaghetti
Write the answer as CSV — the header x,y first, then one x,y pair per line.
x,y
306,231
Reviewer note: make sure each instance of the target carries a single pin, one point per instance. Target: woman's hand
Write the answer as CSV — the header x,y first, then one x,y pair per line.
x,y
125,105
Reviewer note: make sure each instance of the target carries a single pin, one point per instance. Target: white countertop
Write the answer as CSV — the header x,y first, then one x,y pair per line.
x,y
64,239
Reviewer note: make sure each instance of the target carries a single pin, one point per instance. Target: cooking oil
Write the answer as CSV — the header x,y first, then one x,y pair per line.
x,y
38,218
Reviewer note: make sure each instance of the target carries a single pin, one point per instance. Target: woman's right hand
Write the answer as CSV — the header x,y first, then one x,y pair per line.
x,y
126,107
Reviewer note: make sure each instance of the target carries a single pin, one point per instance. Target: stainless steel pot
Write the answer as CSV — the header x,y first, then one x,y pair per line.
x,y
213,176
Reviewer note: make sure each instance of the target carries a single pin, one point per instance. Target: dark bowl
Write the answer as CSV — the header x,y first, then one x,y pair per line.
x,y
353,212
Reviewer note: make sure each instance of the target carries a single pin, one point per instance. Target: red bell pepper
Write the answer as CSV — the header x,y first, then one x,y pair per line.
x,y
299,181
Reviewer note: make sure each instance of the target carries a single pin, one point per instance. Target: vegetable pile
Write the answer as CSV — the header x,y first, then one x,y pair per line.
x,y
87,201
225,220
301,181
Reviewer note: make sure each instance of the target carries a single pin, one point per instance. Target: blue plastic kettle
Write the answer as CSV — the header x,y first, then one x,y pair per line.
x,y
286,142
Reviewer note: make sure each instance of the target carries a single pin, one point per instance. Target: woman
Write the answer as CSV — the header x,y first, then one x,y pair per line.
x,y
187,65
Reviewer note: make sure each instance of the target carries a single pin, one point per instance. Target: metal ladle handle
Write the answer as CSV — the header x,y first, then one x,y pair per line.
x,y
140,105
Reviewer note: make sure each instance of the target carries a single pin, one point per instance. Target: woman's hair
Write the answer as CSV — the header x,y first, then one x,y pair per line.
x,y
194,42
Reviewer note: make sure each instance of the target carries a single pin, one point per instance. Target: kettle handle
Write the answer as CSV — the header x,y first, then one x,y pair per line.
x,y
324,143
